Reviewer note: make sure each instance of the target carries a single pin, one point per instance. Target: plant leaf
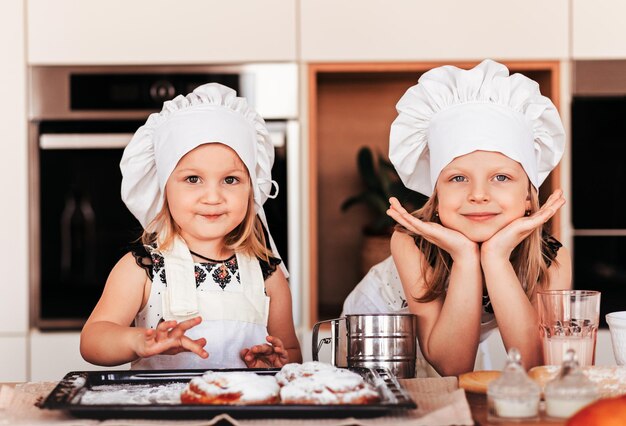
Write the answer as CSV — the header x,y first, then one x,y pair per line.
x,y
352,201
365,163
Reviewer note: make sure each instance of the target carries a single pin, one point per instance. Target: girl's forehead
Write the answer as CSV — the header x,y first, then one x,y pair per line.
x,y
216,154
479,160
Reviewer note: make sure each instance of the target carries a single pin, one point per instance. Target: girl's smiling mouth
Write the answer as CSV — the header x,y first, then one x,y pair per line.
x,y
212,216
479,217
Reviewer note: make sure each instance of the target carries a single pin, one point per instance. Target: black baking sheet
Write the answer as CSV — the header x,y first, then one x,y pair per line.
x,y
155,394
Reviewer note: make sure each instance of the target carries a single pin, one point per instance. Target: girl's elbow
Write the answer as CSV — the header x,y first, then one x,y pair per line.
x,y
85,351
453,370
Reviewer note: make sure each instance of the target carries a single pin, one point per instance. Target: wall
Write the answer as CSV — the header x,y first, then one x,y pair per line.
x,y
13,193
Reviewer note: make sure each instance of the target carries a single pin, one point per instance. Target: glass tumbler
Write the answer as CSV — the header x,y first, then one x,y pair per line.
x,y
617,326
569,319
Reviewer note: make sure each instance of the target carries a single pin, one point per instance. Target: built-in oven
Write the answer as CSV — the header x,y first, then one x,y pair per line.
x,y
81,118
599,198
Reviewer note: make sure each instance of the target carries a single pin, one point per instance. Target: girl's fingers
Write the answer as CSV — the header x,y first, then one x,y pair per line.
x,y
200,342
149,334
262,349
403,220
550,208
395,204
193,346
275,341
554,199
162,330
182,327
187,324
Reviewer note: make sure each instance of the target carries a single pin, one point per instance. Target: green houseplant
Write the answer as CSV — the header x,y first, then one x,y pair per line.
x,y
380,181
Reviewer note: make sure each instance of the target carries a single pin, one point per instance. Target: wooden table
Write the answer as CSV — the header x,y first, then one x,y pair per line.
x,y
478,405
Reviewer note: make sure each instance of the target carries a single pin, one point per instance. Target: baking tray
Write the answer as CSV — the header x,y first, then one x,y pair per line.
x,y
156,394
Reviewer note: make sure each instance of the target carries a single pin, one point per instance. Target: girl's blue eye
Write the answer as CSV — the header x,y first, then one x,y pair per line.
x,y
502,178
193,179
458,179
231,180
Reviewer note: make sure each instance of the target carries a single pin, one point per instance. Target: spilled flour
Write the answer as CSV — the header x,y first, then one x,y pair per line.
x,y
147,394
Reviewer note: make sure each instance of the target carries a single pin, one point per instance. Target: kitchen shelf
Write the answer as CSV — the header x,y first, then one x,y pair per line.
x,y
352,105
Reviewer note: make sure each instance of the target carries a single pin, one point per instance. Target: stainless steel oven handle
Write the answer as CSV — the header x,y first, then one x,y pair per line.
x,y
84,140
117,140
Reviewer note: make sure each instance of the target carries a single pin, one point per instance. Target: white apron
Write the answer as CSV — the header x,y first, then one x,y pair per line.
x,y
381,291
232,319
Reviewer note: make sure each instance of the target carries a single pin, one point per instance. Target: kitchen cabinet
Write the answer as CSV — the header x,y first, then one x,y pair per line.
x,y
160,31
13,359
54,354
13,174
378,30
598,30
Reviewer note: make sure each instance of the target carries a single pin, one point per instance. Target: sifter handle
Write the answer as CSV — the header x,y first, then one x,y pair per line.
x,y
316,346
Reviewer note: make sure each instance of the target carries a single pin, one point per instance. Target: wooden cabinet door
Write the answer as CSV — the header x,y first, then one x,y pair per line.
x,y
160,31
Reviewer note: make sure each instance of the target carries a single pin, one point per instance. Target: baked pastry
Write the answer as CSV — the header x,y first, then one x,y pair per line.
x,y
604,412
322,384
477,381
231,388
293,371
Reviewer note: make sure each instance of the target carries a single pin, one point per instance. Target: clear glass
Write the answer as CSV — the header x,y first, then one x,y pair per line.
x,y
570,390
617,326
569,319
513,395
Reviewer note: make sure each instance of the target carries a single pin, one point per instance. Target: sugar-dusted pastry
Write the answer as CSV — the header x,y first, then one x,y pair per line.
x,y
322,384
231,388
294,370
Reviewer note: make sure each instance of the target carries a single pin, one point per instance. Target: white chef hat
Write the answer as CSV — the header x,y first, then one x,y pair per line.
x,y
211,113
452,112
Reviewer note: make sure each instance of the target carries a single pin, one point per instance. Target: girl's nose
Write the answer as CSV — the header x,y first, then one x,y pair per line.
x,y
479,194
211,195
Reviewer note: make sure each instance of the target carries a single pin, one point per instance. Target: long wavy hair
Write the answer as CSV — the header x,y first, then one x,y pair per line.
x,y
248,237
529,258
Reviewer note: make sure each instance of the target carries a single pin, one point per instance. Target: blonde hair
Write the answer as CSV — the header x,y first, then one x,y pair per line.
x,y
248,237
529,258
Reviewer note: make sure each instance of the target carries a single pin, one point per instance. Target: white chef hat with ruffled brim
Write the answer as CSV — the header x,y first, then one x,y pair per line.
x,y
452,112
212,113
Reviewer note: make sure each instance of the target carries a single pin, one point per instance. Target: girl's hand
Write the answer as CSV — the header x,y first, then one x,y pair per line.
x,y
453,242
502,243
169,338
273,355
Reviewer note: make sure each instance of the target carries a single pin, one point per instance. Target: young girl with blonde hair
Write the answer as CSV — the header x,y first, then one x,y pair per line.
x,y
479,143
204,291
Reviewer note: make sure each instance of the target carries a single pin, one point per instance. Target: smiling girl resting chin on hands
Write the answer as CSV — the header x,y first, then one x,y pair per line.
x,y
479,143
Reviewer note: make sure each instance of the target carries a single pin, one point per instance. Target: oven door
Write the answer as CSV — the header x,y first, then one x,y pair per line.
x,y
84,227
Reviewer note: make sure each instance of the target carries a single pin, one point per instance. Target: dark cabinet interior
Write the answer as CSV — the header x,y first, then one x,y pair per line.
x,y
598,186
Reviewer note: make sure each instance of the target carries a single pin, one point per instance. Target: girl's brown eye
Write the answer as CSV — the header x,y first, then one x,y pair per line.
x,y
193,179
231,180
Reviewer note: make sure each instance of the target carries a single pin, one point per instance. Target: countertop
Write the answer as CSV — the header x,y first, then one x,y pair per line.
x,y
477,404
